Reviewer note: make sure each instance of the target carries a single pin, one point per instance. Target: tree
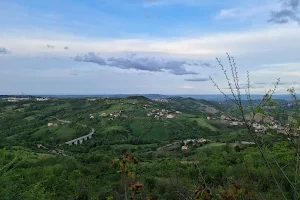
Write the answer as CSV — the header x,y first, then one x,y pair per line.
x,y
235,97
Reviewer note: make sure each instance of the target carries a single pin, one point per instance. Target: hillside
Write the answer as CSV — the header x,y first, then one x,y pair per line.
x,y
171,140
130,119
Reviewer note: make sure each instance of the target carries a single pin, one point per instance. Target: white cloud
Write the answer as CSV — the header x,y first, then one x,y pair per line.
x,y
283,39
287,72
237,13
149,3
247,11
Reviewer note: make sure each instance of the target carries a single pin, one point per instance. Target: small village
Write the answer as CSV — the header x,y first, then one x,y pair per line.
x,y
111,116
17,99
259,126
159,114
155,113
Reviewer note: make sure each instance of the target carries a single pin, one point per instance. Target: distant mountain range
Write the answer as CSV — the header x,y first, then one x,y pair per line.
x,y
215,97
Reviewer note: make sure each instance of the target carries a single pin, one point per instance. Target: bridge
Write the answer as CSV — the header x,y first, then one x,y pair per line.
x,y
82,138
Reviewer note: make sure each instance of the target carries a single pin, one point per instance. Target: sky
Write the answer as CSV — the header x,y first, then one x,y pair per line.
x,y
147,46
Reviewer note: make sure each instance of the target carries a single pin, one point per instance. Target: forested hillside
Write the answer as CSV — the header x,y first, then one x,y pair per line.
x,y
142,148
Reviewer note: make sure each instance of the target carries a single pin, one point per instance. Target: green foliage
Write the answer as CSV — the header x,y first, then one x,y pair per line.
x,y
88,171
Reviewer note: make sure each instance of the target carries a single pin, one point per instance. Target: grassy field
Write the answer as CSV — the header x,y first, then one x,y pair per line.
x,y
61,132
137,128
203,122
114,128
211,145
64,132
30,118
158,132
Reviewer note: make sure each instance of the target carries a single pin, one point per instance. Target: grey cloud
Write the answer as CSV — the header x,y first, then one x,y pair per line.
x,y
49,46
181,71
90,57
145,64
203,64
141,63
66,48
206,65
288,13
150,64
294,4
3,50
284,16
177,68
197,79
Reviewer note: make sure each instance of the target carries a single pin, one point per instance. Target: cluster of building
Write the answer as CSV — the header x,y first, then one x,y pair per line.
x,y
158,114
111,115
161,100
17,99
193,142
115,115
258,127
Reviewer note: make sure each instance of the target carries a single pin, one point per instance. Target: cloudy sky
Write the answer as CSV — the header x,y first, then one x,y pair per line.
x,y
146,46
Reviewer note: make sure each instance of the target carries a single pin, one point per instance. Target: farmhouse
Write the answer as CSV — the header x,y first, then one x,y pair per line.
x,y
52,124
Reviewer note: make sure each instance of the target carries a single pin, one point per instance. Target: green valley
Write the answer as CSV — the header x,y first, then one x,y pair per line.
x,y
180,145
